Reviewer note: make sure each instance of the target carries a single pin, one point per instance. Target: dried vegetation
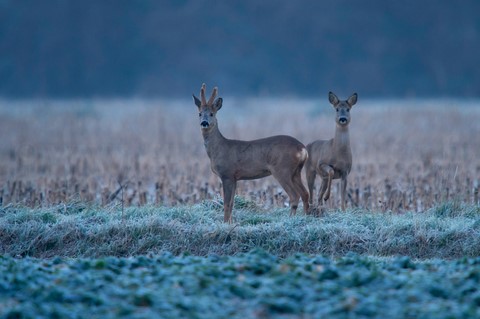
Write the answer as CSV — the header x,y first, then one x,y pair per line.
x,y
408,155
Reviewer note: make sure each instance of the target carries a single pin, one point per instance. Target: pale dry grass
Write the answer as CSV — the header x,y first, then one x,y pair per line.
x,y
408,155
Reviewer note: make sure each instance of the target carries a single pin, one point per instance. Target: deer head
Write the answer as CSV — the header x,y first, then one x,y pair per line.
x,y
207,110
342,108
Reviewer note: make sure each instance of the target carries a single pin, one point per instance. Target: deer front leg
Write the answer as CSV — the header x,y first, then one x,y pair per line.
x,y
344,191
323,189
327,173
229,187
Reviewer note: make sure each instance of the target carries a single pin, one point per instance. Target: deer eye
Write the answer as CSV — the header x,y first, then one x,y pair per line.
x,y
348,110
211,114
199,114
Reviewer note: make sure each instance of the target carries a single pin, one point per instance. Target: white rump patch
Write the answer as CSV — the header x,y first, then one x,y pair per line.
x,y
303,155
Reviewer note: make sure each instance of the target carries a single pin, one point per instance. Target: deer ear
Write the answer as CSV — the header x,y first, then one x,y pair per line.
x,y
333,99
196,101
217,105
352,100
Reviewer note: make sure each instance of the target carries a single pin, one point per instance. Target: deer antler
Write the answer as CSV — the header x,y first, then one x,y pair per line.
x,y
202,94
212,98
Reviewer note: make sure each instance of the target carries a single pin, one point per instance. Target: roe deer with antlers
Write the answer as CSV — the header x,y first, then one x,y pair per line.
x,y
332,159
232,160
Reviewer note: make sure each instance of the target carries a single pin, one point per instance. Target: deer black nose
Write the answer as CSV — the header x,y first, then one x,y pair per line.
x,y
342,120
204,124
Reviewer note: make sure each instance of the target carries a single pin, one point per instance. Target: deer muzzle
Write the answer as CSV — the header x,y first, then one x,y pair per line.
x,y
204,124
342,120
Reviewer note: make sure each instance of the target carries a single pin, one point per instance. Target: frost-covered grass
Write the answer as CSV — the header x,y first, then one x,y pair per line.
x,y
451,230
252,285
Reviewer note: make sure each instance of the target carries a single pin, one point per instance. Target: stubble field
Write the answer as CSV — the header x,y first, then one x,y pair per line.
x,y
408,155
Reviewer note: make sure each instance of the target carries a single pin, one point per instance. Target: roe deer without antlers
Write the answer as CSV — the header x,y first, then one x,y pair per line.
x,y
332,159
232,160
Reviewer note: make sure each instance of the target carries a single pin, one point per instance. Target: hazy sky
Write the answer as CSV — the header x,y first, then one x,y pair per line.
x,y
262,48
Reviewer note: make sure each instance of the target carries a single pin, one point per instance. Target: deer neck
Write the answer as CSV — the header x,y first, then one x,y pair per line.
x,y
341,142
213,141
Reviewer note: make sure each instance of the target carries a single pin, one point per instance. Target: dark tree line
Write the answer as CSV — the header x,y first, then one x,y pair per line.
x,y
71,48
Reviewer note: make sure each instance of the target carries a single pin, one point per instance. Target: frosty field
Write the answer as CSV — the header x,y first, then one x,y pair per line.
x,y
109,209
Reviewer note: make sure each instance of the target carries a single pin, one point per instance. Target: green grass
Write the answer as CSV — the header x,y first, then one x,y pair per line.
x,y
449,231
251,285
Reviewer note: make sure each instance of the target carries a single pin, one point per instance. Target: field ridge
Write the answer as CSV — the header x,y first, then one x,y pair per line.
x,y
450,230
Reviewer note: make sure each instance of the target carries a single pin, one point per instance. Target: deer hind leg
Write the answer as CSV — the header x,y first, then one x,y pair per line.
x,y
327,173
311,174
297,181
229,187
289,187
